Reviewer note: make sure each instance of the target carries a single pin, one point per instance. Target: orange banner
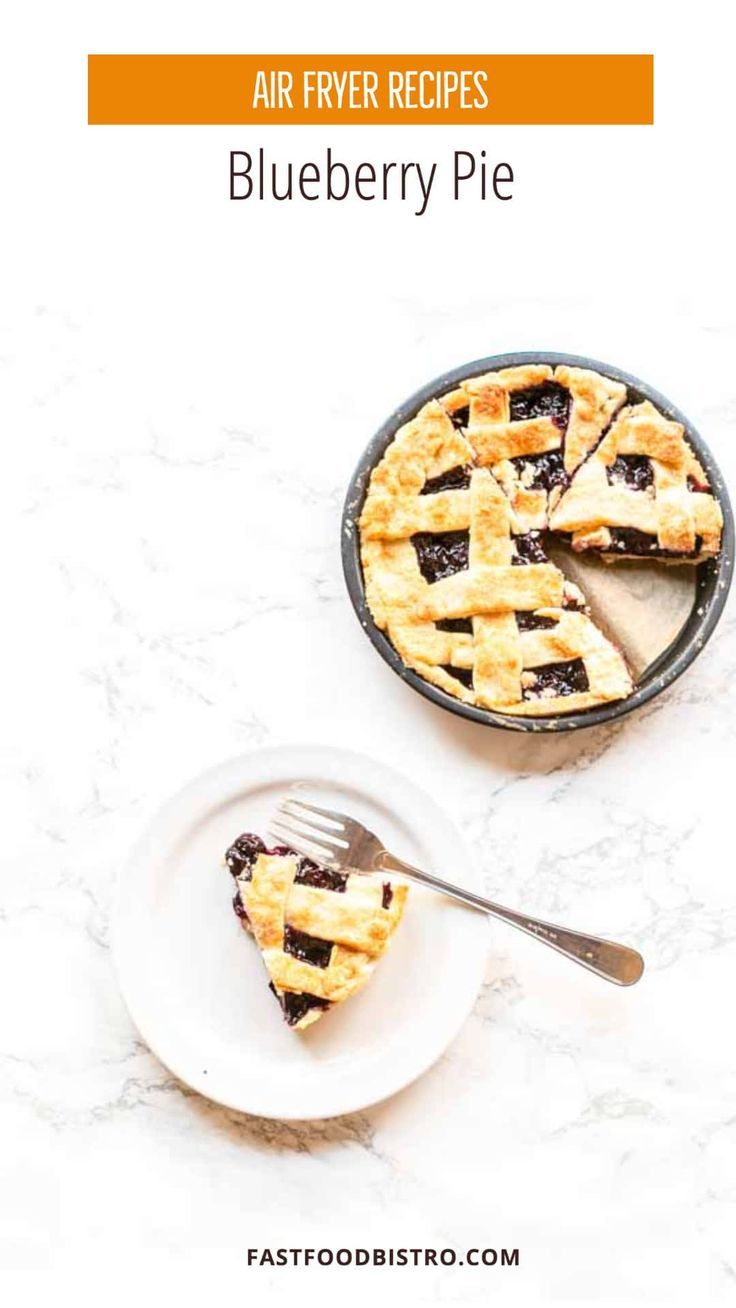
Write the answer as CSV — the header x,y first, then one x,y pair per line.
x,y
378,89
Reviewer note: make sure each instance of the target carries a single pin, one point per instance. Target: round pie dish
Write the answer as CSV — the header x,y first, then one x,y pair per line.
x,y
712,575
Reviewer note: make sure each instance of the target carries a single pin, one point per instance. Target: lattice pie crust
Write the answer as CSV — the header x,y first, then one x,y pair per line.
x,y
453,559
321,933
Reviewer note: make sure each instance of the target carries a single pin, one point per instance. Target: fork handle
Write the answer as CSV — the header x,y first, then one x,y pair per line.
x,y
614,962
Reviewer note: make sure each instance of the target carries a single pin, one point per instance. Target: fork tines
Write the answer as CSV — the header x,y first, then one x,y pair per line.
x,y
312,831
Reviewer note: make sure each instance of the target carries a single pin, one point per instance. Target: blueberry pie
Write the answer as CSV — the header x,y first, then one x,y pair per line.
x,y
455,519
320,933
641,492
533,426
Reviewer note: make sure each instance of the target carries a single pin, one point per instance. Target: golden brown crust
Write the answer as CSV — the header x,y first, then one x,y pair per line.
x,y
353,920
396,517
498,441
425,447
575,637
679,520
490,592
484,658
594,401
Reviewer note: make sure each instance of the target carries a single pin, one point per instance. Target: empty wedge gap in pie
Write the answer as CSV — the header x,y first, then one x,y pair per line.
x,y
460,506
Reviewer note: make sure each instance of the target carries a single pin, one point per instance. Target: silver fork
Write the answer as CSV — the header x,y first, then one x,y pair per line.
x,y
341,844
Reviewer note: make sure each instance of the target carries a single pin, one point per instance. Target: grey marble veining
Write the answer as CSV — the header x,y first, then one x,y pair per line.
x,y
173,596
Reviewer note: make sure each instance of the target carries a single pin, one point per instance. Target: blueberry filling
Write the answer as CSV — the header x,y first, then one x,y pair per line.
x,y
694,485
634,470
541,471
441,554
238,909
240,858
387,894
454,479
546,401
309,874
296,1005
569,678
627,540
529,549
463,675
463,625
308,948
534,622
243,853
461,416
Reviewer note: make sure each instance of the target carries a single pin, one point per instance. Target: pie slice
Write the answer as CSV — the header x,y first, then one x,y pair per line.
x,y
533,426
641,493
320,933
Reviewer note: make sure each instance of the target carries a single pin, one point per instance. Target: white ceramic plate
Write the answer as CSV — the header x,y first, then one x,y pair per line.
x,y
194,981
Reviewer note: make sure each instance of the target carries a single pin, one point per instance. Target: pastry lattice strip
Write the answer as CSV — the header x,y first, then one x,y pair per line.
x,y
454,570
642,481
316,942
490,661
532,457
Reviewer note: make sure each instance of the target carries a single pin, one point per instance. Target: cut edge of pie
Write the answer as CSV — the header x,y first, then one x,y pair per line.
x,y
452,550
320,933
642,493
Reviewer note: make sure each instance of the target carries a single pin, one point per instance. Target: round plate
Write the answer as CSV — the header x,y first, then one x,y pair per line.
x,y
713,576
194,981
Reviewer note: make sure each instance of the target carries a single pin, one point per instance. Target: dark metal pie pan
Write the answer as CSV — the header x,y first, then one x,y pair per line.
x,y
713,576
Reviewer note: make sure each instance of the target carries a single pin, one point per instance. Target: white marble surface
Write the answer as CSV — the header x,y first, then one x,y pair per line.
x,y
172,595
185,387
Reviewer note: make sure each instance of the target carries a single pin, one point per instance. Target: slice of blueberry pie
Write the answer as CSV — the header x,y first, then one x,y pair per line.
x,y
320,933
642,492
454,524
533,426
